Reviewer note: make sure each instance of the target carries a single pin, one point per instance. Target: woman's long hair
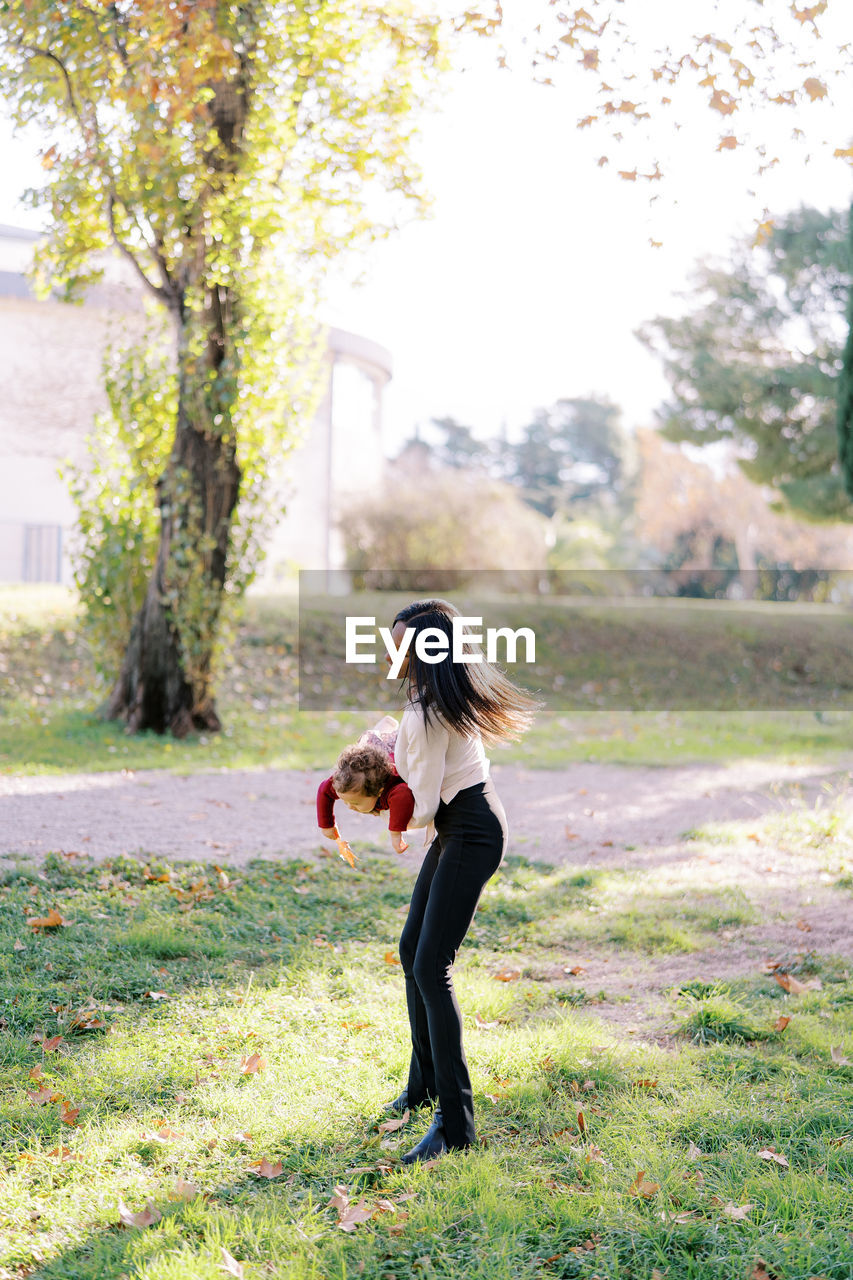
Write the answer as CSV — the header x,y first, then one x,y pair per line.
x,y
469,697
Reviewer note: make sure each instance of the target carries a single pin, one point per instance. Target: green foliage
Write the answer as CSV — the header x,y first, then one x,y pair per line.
x,y
571,453
757,358
228,152
114,490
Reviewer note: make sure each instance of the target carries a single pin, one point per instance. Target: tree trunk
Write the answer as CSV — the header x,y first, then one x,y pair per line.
x,y
845,384
165,680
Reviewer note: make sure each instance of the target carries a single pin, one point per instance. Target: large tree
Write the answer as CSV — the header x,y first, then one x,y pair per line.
x,y
225,149
756,360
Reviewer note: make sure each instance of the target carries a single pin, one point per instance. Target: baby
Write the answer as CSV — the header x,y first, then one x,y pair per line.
x,y
366,780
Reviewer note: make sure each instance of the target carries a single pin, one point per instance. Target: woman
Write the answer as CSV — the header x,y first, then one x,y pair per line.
x,y
451,707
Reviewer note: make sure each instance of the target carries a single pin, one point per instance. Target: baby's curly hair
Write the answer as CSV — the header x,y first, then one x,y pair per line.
x,y
363,768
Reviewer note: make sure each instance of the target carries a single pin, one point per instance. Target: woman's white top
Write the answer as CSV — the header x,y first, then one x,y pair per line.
x,y
436,762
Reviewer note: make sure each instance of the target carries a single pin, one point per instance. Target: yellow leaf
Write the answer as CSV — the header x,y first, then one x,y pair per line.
x,y
51,921
390,958
507,975
814,88
722,101
728,143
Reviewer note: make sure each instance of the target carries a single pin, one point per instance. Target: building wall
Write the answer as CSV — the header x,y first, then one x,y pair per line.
x,y
50,391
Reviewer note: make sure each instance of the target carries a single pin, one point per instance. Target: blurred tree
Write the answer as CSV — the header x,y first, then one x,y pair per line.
x,y
695,520
757,359
226,151
570,454
442,521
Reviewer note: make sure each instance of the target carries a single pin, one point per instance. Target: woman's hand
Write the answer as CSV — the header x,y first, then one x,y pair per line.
x,y
398,843
331,833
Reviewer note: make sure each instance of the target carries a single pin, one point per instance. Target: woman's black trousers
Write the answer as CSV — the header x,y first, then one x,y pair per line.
x,y
469,846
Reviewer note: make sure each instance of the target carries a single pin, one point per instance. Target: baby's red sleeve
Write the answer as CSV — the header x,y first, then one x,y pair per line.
x,y
401,806
326,797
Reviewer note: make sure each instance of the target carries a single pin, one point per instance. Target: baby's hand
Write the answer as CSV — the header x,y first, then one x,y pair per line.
x,y
398,843
331,833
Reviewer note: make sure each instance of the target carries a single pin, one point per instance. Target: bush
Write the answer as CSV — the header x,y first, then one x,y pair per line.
x,y
448,521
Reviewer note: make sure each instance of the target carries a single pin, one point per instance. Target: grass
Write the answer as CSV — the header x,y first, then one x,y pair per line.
x,y
166,979
49,694
186,975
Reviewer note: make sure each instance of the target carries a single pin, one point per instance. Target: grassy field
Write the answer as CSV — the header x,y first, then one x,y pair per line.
x,y
715,1144
49,694
195,1060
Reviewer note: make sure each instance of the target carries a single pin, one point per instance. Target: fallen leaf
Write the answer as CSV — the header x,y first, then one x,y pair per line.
x,y
794,986
63,1153
837,1055
645,1084
390,958
68,1114
222,877
156,995
251,1064
640,1187
184,1190
581,1122
51,921
391,1126
781,1022
355,1214
18,945
36,1073
507,975
804,926
769,1154
145,1218
51,1045
265,1169
732,1210
761,1271
693,1151
86,1020
230,1265
43,1096
481,1021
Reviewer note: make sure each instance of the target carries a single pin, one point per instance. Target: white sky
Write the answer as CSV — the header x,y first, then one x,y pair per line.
x,y
535,268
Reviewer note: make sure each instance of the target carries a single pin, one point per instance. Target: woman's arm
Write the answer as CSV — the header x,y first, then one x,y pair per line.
x,y
425,759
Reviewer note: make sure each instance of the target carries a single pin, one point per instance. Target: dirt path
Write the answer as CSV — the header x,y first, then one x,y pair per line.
x,y
554,815
586,815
